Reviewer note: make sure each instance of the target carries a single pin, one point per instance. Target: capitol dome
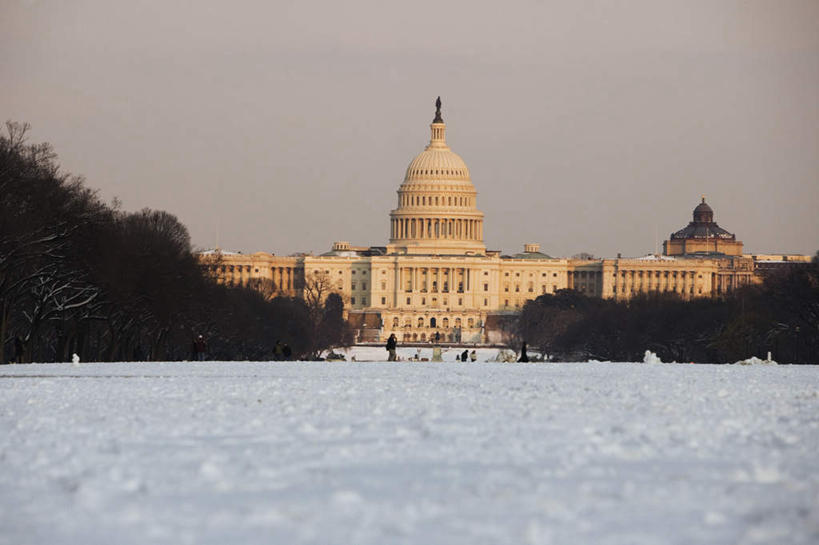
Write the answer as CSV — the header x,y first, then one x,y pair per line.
x,y
437,162
436,211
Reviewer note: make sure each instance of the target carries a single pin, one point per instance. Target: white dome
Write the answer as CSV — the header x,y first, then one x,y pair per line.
x,y
440,163
436,212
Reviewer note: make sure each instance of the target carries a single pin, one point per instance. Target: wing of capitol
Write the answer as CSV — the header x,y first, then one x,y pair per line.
x,y
435,279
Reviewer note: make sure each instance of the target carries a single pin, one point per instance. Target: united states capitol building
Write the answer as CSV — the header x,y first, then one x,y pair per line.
x,y
435,278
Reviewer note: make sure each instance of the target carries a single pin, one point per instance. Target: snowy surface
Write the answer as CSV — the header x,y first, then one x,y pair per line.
x,y
408,453
409,353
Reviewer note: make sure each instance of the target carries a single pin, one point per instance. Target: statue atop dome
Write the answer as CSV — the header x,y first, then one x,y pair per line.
x,y
438,118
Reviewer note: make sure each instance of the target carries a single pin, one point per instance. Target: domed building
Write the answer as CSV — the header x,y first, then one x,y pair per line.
x,y
437,211
435,281
702,236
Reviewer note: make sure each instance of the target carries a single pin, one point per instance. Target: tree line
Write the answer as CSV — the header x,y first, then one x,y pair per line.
x,y
81,276
780,316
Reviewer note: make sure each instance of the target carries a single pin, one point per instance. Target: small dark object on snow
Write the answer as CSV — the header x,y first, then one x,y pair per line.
x,y
200,348
523,356
392,343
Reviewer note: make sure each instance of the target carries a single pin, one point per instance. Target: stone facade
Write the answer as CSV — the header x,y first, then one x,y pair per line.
x,y
436,280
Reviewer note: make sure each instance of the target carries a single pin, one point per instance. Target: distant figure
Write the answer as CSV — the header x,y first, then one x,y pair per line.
x,y
392,344
473,356
200,348
523,357
287,353
278,351
464,355
437,336
18,350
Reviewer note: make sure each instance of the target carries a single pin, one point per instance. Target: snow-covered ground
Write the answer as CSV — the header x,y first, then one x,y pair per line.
x,y
409,353
408,453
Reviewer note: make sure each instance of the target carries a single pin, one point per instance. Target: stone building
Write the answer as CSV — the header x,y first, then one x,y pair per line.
x,y
702,236
435,279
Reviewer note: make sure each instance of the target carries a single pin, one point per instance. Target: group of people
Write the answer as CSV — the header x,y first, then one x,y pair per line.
x,y
392,346
473,356
281,351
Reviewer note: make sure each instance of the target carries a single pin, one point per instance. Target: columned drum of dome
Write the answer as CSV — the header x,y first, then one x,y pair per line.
x,y
436,212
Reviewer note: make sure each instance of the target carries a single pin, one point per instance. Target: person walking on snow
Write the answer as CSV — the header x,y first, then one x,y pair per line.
x,y
392,344
523,356
200,348
18,349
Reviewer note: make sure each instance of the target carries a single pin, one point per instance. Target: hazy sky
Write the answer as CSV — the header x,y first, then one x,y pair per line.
x,y
283,126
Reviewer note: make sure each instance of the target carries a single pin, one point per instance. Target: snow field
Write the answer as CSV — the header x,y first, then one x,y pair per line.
x,y
375,453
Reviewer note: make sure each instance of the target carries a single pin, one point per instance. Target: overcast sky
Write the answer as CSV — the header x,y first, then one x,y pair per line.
x,y
283,126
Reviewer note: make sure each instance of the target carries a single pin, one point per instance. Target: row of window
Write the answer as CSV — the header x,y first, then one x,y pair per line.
x,y
529,288
656,274
531,274
665,289
438,172
327,271
423,200
434,322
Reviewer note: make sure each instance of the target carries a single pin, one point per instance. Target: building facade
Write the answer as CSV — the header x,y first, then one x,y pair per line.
x,y
436,281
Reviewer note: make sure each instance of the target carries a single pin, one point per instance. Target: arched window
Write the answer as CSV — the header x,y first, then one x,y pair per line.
x,y
420,321
395,322
432,322
445,323
457,322
423,336
470,323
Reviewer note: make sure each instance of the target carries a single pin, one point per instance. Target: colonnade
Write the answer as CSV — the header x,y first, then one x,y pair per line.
x,y
282,278
435,279
644,281
236,274
436,228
